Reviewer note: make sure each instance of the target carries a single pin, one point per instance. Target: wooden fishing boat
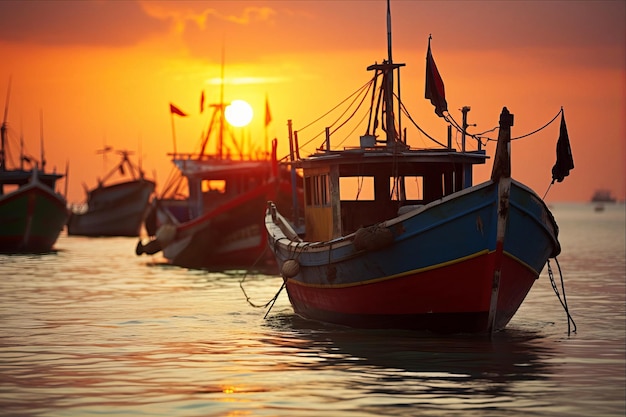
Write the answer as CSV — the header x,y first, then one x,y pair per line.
x,y
114,207
602,196
449,257
218,221
32,213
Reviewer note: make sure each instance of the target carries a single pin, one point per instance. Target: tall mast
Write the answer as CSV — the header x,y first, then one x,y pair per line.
x,y
43,158
386,69
389,116
389,32
3,130
221,110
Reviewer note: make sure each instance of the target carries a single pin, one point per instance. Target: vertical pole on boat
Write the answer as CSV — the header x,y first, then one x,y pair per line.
x,y
41,149
327,130
390,126
501,175
220,136
67,178
464,110
3,130
294,188
274,159
389,31
173,132
296,144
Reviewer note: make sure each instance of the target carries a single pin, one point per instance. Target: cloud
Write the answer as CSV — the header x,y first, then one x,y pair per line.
x,y
77,23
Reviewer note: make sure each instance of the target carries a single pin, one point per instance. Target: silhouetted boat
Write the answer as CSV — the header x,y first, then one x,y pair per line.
x,y
114,208
448,256
602,196
32,213
218,224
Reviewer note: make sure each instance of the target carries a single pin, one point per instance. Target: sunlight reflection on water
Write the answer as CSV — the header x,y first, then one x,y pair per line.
x,y
93,330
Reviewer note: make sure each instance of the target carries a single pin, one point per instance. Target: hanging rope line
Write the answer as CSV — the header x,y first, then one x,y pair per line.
x,y
541,128
241,281
406,113
563,301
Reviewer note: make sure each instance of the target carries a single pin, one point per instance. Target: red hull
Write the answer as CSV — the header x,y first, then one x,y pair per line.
x,y
450,298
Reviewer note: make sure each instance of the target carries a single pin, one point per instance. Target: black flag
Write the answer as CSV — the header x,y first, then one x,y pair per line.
x,y
564,161
434,85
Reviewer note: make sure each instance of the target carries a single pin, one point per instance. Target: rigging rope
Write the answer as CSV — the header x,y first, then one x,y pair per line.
x,y
541,128
366,85
363,90
448,117
406,113
563,301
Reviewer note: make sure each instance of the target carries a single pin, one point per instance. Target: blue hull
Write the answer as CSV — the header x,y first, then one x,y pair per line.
x,y
447,247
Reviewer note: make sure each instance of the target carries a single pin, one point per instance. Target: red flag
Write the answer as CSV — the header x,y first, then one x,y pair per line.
x,y
268,115
176,110
434,85
564,160
202,102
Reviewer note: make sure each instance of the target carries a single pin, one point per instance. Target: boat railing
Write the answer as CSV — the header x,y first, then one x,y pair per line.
x,y
259,156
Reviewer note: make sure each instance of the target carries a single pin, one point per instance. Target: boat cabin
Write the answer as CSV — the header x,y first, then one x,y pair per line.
x,y
212,185
358,187
13,179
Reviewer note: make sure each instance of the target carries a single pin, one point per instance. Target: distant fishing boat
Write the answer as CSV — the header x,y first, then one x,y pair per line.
x,y
423,248
114,207
211,215
602,196
32,213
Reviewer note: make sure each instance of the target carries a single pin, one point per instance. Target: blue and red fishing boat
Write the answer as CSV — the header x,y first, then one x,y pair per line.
x,y
415,245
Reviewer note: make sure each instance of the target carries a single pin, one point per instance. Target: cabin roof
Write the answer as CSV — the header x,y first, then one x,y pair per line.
x,y
220,168
383,155
21,177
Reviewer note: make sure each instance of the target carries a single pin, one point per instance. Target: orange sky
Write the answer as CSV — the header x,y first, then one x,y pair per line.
x,y
104,73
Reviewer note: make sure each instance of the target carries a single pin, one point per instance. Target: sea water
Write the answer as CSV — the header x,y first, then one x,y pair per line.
x,y
93,330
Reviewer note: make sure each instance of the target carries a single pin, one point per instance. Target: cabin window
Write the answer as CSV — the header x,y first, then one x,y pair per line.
x,y
8,188
317,190
214,186
356,188
413,188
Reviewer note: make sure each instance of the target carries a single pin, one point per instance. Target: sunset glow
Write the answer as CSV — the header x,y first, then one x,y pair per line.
x,y
96,86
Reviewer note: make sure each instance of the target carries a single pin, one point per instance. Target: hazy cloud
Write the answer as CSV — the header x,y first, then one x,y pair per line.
x,y
81,23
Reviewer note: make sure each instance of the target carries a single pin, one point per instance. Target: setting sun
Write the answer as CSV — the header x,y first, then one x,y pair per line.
x,y
239,113
555,54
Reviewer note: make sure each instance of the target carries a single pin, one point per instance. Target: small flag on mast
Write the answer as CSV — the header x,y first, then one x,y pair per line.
x,y
268,115
564,160
202,102
435,90
176,110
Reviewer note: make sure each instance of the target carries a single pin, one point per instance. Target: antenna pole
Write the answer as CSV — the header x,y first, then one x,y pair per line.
x,y
389,31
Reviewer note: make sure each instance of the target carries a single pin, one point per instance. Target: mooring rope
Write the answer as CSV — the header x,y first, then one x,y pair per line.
x,y
563,301
272,300
241,281
547,191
